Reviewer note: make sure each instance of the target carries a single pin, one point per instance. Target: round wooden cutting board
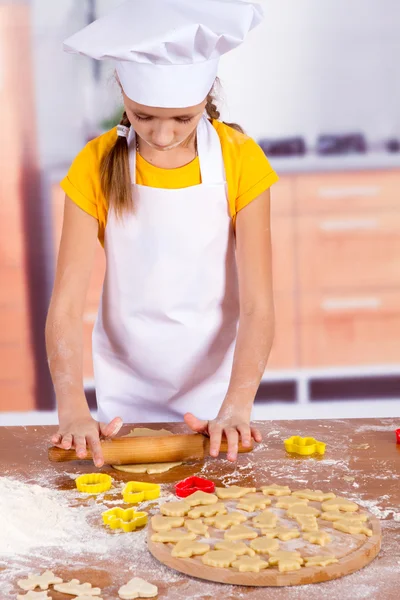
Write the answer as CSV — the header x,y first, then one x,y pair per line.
x,y
352,551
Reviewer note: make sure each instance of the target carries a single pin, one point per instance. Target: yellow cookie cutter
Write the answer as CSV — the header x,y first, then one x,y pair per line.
x,y
93,483
137,491
128,520
304,445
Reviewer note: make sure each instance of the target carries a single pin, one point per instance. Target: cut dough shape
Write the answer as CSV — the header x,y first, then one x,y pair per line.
x,y
282,533
265,520
288,501
219,558
307,523
160,523
239,548
349,526
336,515
207,511
233,492
247,564
173,537
34,596
175,509
151,469
197,527
304,511
318,537
275,490
41,581
253,502
314,495
223,522
186,549
240,532
320,561
286,561
339,504
137,588
75,588
200,498
264,545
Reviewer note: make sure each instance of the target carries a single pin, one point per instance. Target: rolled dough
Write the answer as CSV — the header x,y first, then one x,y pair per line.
x,y
153,468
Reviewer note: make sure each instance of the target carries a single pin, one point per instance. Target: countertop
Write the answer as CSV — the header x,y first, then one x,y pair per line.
x,y
362,462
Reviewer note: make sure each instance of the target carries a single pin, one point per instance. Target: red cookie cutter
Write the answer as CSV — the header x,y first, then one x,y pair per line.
x,y
189,486
398,435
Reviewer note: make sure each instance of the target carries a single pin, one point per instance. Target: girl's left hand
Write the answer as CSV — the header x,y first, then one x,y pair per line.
x,y
232,426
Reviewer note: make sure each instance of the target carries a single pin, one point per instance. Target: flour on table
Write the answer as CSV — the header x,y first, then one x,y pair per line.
x,y
147,468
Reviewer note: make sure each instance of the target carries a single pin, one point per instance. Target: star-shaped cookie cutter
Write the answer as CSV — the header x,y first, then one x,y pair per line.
x,y
189,486
128,520
305,446
138,491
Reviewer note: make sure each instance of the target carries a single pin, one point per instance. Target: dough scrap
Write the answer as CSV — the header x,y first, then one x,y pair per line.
x,y
339,504
299,509
137,588
266,519
153,468
75,588
320,561
41,581
247,564
288,501
160,523
219,558
286,561
314,495
264,545
200,498
197,527
175,509
35,596
307,523
239,548
349,526
276,490
207,511
233,492
282,533
336,515
223,522
187,549
253,502
173,537
240,532
318,537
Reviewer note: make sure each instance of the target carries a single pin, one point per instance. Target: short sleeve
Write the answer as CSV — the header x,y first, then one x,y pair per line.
x,y
255,176
81,182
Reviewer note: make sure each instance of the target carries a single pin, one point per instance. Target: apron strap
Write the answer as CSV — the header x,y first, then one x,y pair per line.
x,y
212,167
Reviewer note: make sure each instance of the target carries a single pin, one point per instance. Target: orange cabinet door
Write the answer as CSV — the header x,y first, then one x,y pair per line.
x,y
349,251
349,329
284,354
353,191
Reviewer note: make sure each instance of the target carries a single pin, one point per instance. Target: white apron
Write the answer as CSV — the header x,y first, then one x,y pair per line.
x,y
165,335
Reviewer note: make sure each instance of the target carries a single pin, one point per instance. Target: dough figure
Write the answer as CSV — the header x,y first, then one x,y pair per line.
x,y
282,533
137,588
239,548
319,537
348,526
240,532
160,523
320,561
266,519
201,499
75,588
175,509
315,495
264,545
187,549
252,502
173,537
307,523
207,511
304,511
226,521
233,492
275,490
153,468
286,561
219,558
336,515
339,504
197,527
41,581
288,501
249,564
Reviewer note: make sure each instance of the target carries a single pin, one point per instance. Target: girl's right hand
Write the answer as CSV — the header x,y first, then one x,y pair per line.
x,y
80,432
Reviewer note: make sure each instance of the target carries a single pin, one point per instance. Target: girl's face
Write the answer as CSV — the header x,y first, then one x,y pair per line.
x,y
163,128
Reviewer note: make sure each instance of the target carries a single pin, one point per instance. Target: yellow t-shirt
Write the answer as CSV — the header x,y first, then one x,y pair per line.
x,y
248,173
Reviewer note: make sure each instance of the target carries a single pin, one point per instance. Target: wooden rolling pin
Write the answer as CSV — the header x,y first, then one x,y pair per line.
x,y
137,450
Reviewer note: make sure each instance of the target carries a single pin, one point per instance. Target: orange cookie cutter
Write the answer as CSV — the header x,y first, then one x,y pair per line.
x,y
93,483
304,445
128,520
137,491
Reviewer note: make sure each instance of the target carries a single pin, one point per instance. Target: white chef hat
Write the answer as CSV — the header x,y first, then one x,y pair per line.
x,y
167,51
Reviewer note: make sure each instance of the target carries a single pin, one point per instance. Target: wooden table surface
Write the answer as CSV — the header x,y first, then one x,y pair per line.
x,y
362,462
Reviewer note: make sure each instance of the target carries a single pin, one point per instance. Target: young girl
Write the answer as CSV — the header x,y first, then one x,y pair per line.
x,y
181,203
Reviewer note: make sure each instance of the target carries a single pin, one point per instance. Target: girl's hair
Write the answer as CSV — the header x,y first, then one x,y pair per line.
x,y
115,174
